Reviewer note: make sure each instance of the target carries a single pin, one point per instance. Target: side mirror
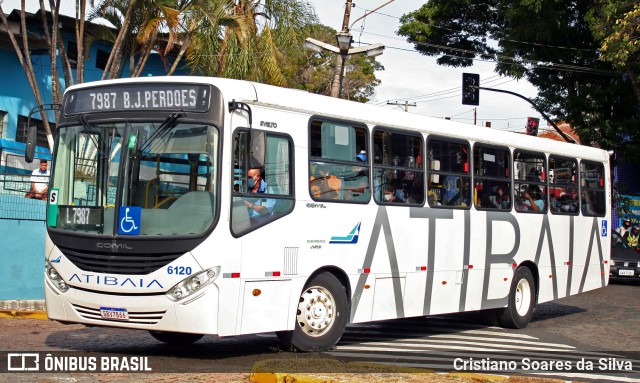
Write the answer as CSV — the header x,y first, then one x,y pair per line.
x,y
257,148
32,138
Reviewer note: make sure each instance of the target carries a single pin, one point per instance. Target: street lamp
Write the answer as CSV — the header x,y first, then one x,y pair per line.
x,y
344,47
343,50
344,43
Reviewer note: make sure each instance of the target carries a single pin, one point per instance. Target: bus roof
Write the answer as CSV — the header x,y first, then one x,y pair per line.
x,y
313,104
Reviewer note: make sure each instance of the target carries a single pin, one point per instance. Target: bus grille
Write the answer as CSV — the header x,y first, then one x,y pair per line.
x,y
141,317
111,263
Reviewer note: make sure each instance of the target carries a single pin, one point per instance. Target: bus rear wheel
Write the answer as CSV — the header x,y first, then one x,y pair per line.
x,y
321,316
522,300
175,338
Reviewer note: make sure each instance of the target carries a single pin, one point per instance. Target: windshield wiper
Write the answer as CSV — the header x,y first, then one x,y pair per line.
x,y
162,130
93,132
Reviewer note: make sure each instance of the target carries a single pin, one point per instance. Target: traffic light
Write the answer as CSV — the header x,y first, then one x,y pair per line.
x,y
470,91
532,126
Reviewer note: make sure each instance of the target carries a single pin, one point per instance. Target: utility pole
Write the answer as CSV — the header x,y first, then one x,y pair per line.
x,y
406,104
343,36
343,49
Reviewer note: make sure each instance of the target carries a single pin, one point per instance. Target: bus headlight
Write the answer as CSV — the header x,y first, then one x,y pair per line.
x,y
55,278
193,284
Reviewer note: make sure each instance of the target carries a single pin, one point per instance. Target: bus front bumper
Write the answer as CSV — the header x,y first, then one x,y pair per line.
x,y
195,314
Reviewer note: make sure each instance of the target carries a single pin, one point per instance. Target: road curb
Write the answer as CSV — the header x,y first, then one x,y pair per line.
x,y
25,314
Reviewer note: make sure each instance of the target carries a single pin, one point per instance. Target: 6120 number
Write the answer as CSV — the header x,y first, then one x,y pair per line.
x,y
179,270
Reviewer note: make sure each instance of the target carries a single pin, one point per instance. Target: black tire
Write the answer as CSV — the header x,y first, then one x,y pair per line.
x,y
522,300
321,316
175,338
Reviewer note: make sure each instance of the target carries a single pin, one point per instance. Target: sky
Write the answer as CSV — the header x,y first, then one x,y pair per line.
x,y
416,78
410,76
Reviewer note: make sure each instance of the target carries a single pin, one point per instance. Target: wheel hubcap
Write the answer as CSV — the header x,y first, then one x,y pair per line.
x,y
316,311
523,297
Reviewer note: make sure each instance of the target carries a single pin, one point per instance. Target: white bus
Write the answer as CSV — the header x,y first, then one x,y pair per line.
x,y
190,205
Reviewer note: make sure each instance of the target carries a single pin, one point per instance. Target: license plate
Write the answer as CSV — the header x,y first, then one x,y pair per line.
x,y
626,272
114,313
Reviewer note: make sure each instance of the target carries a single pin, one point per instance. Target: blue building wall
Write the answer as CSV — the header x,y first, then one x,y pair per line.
x,y
22,258
16,96
22,238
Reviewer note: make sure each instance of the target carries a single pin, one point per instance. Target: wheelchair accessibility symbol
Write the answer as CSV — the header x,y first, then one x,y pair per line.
x,y
129,220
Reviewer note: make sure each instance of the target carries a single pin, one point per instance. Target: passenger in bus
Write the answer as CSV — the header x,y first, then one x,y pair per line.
x,y
357,182
258,207
390,194
323,184
499,198
531,199
535,175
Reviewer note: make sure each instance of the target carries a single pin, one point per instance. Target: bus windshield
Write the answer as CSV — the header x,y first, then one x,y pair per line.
x,y
163,173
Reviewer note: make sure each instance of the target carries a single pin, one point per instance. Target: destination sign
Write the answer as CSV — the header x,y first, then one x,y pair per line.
x,y
139,97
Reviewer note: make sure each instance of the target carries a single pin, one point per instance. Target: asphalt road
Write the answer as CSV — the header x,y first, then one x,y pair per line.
x,y
594,323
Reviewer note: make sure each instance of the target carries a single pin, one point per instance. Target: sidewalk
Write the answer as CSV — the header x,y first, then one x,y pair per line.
x,y
33,309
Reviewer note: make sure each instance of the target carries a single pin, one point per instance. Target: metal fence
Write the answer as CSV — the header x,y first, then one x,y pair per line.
x,y
15,183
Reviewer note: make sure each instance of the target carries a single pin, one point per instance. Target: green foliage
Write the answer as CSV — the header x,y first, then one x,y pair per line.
x,y
263,41
617,25
549,42
313,72
251,43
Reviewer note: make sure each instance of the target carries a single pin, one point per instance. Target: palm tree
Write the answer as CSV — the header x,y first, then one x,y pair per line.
x,y
251,44
202,18
139,23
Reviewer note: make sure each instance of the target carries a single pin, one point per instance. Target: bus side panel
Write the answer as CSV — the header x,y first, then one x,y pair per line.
x,y
589,264
362,300
264,306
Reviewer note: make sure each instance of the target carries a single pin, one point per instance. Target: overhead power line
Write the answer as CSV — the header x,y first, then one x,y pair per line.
x,y
509,60
476,35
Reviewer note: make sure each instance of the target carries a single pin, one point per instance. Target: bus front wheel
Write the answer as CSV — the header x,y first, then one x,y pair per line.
x,y
522,300
321,315
175,338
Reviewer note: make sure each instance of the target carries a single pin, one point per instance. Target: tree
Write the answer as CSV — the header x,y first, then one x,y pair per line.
x,y
550,43
251,46
616,24
140,27
313,72
24,57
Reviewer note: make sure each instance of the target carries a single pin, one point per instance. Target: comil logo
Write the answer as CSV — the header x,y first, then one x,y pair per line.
x,y
115,247
23,362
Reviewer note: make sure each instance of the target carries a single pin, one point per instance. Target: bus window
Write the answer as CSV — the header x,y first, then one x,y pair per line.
x,y
397,168
261,195
563,185
492,177
449,183
530,186
338,162
592,193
